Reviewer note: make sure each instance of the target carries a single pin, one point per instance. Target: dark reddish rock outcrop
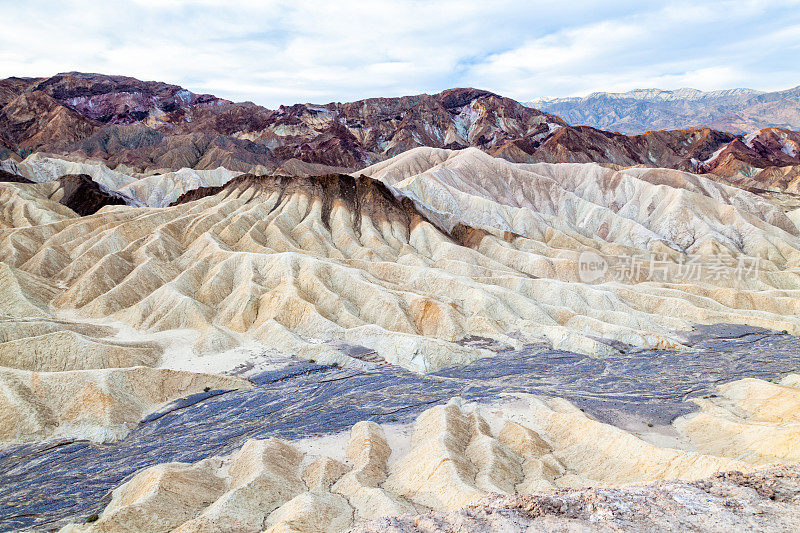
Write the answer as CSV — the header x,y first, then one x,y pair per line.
x,y
156,126
8,177
361,196
83,195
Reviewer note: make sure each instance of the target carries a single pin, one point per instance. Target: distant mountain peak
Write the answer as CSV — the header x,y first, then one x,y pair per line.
x,y
654,94
739,110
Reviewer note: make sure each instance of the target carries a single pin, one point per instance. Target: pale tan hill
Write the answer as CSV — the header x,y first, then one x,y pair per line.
x,y
65,349
640,207
492,249
29,206
750,419
155,188
160,190
66,378
444,246
454,456
40,167
99,405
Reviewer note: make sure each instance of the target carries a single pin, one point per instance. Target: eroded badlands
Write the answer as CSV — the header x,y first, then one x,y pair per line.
x,y
455,455
460,245
116,324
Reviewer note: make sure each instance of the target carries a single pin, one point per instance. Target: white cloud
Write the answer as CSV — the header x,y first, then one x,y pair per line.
x,y
281,52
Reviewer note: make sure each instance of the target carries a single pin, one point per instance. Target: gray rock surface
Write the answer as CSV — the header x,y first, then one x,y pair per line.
x,y
48,484
766,500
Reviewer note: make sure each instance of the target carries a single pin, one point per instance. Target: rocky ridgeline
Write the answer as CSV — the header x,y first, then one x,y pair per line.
x,y
156,127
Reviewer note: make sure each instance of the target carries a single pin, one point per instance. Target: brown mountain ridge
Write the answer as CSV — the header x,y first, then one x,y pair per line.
x,y
153,126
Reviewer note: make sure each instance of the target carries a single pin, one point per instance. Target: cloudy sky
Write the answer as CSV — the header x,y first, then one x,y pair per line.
x,y
276,52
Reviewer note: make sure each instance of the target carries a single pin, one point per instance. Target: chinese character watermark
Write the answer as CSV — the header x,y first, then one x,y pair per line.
x,y
594,268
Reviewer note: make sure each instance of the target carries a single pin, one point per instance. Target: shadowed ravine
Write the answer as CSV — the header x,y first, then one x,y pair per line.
x,y
47,484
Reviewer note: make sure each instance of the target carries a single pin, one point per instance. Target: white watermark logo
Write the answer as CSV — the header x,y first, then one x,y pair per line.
x,y
594,268
591,267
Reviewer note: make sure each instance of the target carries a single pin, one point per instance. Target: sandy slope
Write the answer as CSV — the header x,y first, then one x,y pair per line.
x,y
455,455
456,245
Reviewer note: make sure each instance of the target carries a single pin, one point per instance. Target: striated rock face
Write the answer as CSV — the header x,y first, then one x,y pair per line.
x,y
680,149
107,99
765,160
457,455
119,99
573,198
150,125
35,120
155,190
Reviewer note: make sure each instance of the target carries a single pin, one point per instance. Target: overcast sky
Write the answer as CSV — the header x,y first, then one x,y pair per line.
x,y
276,52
